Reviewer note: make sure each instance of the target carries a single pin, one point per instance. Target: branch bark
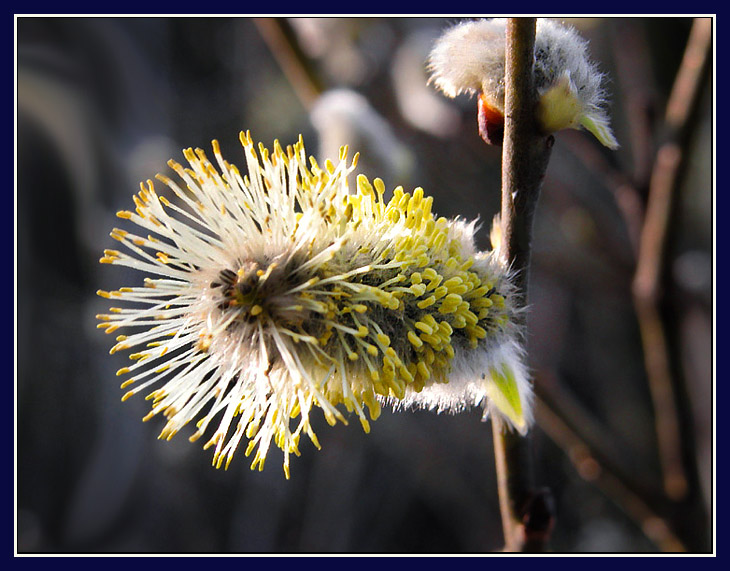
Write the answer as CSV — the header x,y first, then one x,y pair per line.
x,y
525,157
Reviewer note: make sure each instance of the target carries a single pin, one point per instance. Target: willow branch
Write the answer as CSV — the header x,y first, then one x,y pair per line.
x,y
596,470
596,459
651,264
281,40
635,75
525,156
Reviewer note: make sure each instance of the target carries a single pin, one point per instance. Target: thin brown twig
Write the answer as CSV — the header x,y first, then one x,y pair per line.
x,y
281,40
628,198
552,392
525,156
650,272
634,70
600,473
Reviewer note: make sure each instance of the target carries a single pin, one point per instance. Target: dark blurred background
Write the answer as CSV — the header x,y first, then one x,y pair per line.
x,y
103,103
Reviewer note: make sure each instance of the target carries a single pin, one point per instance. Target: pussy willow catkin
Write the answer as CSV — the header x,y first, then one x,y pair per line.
x,y
291,288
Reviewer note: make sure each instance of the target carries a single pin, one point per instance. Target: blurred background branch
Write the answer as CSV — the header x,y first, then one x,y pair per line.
x,y
281,40
650,278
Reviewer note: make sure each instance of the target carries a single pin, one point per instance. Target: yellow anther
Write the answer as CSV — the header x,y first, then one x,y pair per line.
x,y
118,347
423,370
256,309
384,339
440,292
438,240
423,327
445,309
418,289
372,403
452,299
428,319
429,301
398,390
364,186
365,425
452,282
429,356
380,388
480,291
405,374
372,349
470,317
379,186
414,339
481,303
126,383
432,340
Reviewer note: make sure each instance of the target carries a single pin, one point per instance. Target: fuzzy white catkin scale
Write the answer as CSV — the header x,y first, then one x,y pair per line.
x,y
470,58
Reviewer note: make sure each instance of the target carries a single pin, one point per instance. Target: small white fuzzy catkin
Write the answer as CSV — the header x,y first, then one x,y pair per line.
x,y
470,58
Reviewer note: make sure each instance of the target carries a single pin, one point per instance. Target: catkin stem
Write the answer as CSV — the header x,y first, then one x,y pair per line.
x,y
525,156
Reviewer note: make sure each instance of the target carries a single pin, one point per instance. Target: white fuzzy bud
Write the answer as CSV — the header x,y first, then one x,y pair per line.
x,y
470,58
